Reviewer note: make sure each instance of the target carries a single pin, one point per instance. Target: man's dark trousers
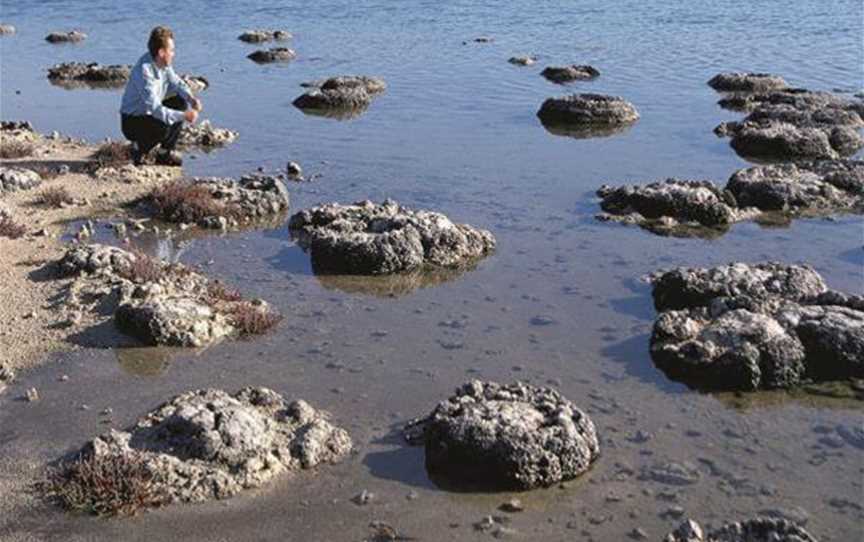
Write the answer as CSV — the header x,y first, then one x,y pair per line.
x,y
148,132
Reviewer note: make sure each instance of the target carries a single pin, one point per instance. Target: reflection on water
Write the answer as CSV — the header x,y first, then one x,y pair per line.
x,y
395,285
335,113
581,131
145,361
840,395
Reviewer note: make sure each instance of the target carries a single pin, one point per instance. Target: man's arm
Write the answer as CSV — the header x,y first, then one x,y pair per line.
x,y
151,95
178,85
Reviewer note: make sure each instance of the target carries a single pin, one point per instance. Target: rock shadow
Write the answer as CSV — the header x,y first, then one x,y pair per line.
x,y
581,131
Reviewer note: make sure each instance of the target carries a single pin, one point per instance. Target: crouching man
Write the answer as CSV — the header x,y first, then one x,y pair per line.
x,y
156,102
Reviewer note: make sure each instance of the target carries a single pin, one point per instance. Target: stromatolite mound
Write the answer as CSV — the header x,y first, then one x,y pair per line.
x,y
754,530
587,112
205,136
374,239
746,82
73,36
261,36
746,327
6,29
276,54
209,444
522,60
351,93
73,74
513,436
566,74
16,178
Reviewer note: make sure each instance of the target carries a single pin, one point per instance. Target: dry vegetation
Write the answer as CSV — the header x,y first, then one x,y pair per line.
x,y
56,197
15,149
11,229
143,268
113,154
219,291
252,320
107,485
186,201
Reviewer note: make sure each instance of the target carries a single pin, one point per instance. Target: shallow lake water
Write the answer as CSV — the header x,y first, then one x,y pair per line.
x,y
456,131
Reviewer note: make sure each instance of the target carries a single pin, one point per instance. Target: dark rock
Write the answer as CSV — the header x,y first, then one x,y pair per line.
x,y
746,82
276,54
588,112
510,437
76,74
261,36
754,530
566,74
374,239
351,94
73,36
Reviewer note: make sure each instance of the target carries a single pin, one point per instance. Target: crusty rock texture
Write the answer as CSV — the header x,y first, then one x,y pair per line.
x,y
746,82
157,303
754,530
74,74
205,136
261,36
588,114
375,239
566,74
513,436
7,30
73,36
209,444
344,93
276,54
16,178
746,327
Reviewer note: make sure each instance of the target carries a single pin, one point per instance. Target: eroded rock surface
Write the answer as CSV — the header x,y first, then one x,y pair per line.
x,y
523,60
209,444
513,436
261,36
566,74
343,93
746,327
754,530
587,113
6,30
205,136
373,239
746,82
74,74
73,36
276,54
16,178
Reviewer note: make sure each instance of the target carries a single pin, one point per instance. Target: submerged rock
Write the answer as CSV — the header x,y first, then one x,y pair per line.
x,y
746,82
74,74
72,36
513,436
197,83
522,60
373,239
261,36
344,93
276,54
209,444
6,29
566,74
16,178
588,112
205,136
754,530
747,327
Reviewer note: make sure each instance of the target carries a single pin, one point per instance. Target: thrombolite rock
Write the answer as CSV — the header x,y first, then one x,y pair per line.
x,y
72,36
701,208
522,60
566,74
197,83
75,73
6,29
753,530
205,136
747,327
746,82
276,54
513,436
261,36
158,303
209,444
16,178
374,239
343,93
587,112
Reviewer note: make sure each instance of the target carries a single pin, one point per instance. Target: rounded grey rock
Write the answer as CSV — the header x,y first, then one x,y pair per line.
x,y
73,36
276,54
588,109
566,74
746,82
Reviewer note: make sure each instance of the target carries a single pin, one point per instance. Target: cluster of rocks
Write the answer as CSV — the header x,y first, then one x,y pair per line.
x,y
17,178
209,444
158,303
587,115
73,36
789,123
76,74
753,530
275,54
205,136
746,327
337,96
513,436
373,239
567,74
701,208
219,203
261,36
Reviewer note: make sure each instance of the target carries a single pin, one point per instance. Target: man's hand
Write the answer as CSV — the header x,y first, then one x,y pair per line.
x,y
197,105
191,116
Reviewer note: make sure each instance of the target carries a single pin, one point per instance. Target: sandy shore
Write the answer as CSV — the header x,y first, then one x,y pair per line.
x,y
33,321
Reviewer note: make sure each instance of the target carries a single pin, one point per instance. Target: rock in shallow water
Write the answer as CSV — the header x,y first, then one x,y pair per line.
x,y
566,74
346,93
73,36
78,73
208,444
205,136
754,530
747,327
260,36
513,436
587,112
6,29
746,82
373,239
276,54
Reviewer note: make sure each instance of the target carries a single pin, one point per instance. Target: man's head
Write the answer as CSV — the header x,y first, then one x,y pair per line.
x,y
161,45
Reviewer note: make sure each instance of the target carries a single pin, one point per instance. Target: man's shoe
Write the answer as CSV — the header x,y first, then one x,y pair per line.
x,y
137,156
169,158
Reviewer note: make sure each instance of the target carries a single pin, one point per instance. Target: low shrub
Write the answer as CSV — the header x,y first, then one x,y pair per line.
x,y
113,154
55,197
15,149
11,229
252,320
143,268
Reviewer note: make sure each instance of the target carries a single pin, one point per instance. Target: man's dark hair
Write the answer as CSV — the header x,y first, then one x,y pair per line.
x,y
159,39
